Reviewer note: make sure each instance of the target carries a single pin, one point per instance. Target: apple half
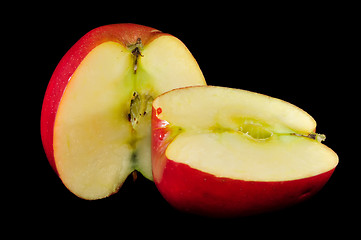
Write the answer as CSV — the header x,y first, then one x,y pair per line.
x,y
96,114
227,152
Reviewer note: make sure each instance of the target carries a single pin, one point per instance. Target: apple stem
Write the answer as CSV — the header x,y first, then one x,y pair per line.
x,y
136,53
316,136
134,176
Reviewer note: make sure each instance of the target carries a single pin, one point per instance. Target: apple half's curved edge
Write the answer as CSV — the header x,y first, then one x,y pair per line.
x,y
125,34
197,192
193,191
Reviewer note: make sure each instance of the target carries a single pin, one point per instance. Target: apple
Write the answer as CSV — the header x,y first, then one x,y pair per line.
x,y
226,152
96,113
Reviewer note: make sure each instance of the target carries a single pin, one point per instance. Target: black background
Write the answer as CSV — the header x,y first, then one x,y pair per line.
x,y
295,53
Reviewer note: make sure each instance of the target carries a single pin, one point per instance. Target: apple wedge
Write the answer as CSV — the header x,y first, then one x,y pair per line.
x,y
96,115
227,152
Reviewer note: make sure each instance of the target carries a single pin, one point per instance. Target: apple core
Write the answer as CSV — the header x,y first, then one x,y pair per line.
x,y
235,152
96,114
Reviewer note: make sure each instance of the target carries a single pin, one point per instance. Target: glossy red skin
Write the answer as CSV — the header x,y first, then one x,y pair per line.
x,y
198,192
125,34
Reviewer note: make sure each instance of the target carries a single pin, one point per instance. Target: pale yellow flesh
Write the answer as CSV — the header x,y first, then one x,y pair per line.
x,y
234,155
213,139
227,108
95,145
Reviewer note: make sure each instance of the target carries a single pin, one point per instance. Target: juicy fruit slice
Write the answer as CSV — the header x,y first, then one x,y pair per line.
x,y
242,135
229,152
232,155
102,127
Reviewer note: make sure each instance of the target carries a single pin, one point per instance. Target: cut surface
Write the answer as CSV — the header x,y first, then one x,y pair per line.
x,y
217,107
91,131
242,135
236,156
102,126
168,61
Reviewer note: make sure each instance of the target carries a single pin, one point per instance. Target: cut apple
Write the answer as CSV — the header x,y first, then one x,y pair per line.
x,y
229,152
96,114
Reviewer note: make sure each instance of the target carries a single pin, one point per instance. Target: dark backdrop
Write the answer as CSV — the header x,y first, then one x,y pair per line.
x,y
297,54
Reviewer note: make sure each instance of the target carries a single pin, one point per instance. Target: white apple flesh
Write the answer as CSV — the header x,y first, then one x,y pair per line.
x,y
236,136
101,130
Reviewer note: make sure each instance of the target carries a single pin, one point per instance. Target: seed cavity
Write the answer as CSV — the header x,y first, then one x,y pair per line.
x,y
140,105
256,131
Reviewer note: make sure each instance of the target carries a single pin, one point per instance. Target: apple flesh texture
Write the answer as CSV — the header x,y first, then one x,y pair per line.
x,y
229,152
101,130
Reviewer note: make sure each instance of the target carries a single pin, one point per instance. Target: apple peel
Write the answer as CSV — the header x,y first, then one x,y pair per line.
x,y
246,154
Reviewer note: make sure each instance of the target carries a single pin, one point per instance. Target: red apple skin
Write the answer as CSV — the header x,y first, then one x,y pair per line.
x,y
197,192
125,34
